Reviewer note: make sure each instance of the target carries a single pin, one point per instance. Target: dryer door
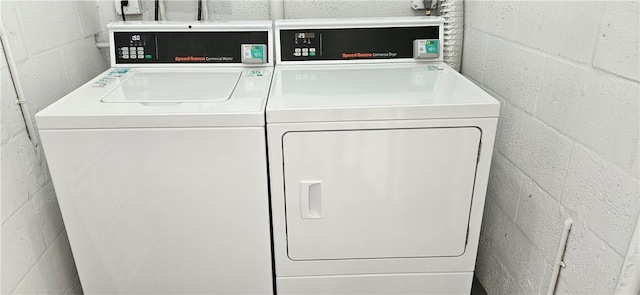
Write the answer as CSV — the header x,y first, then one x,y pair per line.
x,y
392,193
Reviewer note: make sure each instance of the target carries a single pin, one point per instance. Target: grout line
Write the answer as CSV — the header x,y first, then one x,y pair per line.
x,y
566,172
598,32
611,248
29,195
626,170
583,65
37,260
536,99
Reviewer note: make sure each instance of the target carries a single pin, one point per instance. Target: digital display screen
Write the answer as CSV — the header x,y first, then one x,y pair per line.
x,y
305,35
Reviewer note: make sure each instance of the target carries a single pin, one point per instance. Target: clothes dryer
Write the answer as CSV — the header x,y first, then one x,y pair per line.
x,y
379,157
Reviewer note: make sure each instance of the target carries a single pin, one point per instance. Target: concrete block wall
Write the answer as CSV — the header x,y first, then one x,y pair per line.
x,y
54,47
185,10
567,76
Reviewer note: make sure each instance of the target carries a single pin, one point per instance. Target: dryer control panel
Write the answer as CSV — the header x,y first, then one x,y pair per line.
x,y
417,38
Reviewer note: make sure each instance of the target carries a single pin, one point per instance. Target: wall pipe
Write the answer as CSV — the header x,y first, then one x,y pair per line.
x,y
163,11
17,85
559,256
205,10
276,9
453,13
629,279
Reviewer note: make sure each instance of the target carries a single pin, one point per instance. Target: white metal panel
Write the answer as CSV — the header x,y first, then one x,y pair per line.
x,y
171,210
379,193
286,267
414,283
330,93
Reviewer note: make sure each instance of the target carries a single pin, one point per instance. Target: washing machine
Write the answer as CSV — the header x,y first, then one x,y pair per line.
x,y
159,164
379,155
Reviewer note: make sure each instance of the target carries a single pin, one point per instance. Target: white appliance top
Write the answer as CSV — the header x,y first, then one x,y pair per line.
x,y
164,97
361,92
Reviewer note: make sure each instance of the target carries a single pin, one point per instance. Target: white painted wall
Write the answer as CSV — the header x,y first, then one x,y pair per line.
x,y
567,76
53,43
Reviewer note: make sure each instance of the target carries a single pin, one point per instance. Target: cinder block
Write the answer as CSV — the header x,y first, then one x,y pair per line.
x,y
597,109
592,267
82,61
494,276
619,39
495,17
53,273
88,13
12,27
538,150
474,54
346,8
46,25
22,245
220,10
505,182
21,174
240,10
48,212
514,72
540,218
44,79
523,261
563,288
565,28
605,198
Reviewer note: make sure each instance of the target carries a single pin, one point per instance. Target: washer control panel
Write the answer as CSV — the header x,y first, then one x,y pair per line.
x,y
359,43
190,47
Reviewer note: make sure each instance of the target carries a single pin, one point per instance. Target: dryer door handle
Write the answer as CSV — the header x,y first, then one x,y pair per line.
x,y
310,199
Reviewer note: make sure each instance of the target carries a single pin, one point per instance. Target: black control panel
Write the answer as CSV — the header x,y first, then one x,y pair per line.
x,y
353,43
183,47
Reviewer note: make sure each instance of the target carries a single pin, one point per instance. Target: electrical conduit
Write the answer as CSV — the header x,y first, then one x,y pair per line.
x,y
22,100
559,256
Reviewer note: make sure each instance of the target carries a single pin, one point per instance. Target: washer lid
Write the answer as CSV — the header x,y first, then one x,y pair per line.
x,y
163,97
375,92
176,86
